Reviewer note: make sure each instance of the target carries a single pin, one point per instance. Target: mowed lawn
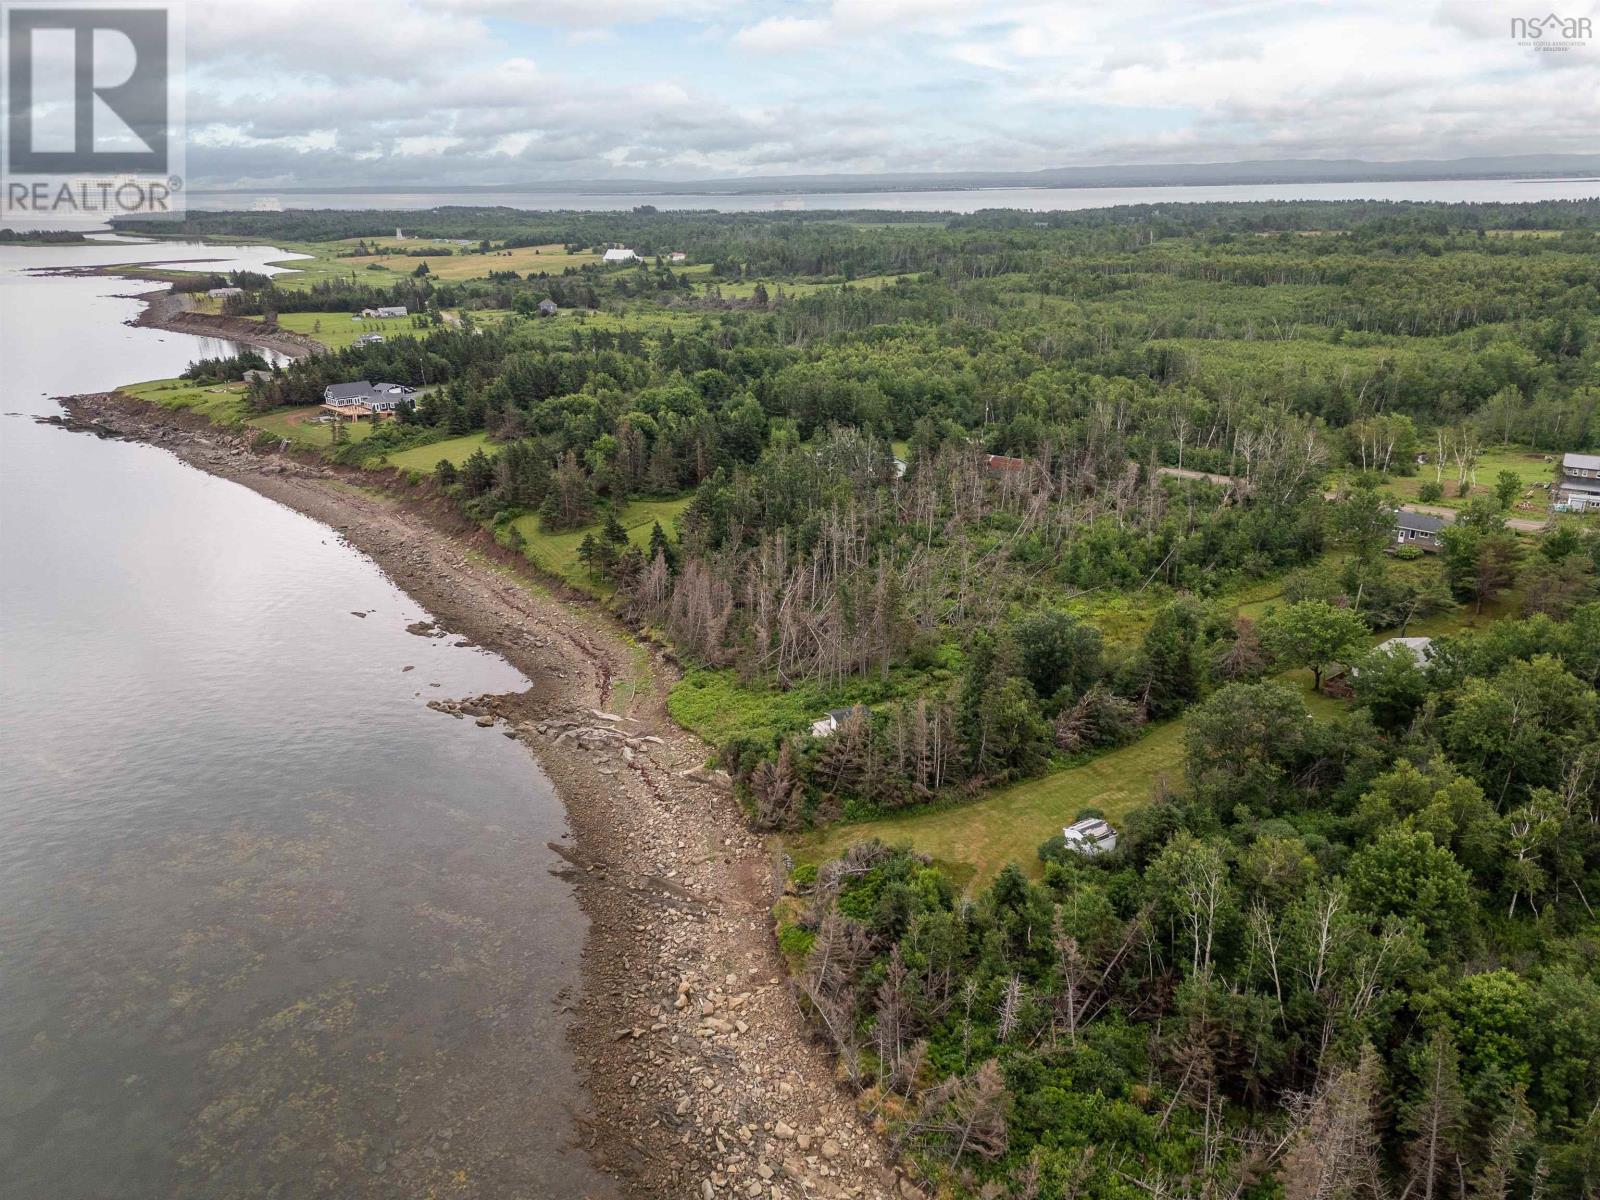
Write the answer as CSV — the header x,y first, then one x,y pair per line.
x,y
300,425
1009,825
426,458
336,330
557,553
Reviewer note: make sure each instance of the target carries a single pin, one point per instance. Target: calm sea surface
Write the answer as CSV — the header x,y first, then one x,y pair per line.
x,y
268,925
965,201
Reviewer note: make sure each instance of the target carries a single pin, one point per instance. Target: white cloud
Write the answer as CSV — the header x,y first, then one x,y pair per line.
x,y
777,35
483,91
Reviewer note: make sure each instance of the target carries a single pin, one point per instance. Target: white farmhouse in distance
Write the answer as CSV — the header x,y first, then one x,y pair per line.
x,y
1090,836
618,254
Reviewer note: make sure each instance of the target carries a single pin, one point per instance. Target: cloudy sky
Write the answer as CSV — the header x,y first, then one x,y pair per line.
x,y
438,92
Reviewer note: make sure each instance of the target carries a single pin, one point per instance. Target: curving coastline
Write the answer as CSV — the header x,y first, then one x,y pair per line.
x,y
169,310
703,1075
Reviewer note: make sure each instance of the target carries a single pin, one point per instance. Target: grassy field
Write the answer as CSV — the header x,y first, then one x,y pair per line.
x,y
300,426
320,265
742,289
336,330
425,458
552,259
1529,465
222,403
557,553
1009,825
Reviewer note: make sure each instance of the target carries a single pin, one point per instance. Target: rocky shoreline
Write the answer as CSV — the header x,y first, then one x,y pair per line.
x,y
705,1079
168,310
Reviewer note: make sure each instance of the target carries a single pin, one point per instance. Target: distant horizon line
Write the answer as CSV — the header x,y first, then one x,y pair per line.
x,y
1576,168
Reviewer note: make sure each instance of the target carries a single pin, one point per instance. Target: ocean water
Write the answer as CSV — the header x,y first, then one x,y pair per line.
x,y
268,924
959,201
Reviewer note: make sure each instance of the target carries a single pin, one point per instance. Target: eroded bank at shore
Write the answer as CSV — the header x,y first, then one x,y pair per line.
x,y
704,1076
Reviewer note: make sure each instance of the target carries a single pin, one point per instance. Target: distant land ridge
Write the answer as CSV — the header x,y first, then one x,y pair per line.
x,y
1254,171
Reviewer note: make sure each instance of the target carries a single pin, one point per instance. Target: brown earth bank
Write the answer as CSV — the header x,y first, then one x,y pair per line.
x,y
705,1079
168,310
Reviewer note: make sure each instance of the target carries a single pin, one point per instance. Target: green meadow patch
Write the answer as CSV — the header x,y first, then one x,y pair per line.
x,y
222,403
1009,825
557,553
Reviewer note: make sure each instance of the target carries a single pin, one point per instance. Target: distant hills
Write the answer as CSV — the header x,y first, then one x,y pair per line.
x,y
1293,170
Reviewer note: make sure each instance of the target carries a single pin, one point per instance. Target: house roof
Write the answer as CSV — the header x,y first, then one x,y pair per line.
x,y
1417,645
1580,462
362,392
1001,462
839,714
1422,522
1092,828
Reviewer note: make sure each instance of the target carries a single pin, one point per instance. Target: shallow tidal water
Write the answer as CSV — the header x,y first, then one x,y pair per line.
x,y
268,925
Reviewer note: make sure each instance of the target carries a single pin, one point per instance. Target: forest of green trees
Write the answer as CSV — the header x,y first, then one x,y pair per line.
x,y
1347,954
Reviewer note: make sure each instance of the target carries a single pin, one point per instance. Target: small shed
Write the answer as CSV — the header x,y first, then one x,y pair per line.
x,y
548,308
1090,836
370,339
828,724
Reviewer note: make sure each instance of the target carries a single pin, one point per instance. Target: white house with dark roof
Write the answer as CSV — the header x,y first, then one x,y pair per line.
x,y
1090,836
1578,482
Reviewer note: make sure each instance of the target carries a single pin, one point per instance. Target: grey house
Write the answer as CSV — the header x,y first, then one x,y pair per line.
x,y
363,399
1578,482
548,308
1418,529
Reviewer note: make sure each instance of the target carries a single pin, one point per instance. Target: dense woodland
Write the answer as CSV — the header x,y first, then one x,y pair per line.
x,y
1348,956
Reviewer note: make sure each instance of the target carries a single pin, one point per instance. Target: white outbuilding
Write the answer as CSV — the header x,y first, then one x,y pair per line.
x,y
1090,836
